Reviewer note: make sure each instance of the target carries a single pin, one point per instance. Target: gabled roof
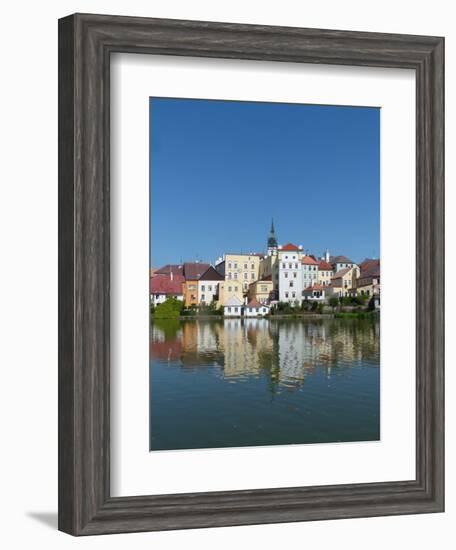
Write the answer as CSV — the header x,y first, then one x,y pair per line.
x,y
254,303
324,266
308,260
162,284
341,273
194,270
211,275
233,301
315,287
370,268
289,247
340,260
167,269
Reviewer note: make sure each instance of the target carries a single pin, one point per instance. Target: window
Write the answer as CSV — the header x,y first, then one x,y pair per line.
x,y
296,266
209,288
286,257
235,275
235,266
235,289
253,276
294,294
245,266
286,275
264,288
203,297
230,289
229,267
253,266
203,288
229,275
229,310
293,258
295,275
235,310
290,266
286,294
283,266
246,275
291,284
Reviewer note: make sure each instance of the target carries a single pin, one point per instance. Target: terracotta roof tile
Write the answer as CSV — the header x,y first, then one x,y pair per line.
x,y
308,260
289,247
162,284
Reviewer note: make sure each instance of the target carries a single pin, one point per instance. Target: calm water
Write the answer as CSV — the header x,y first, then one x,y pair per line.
x,y
233,382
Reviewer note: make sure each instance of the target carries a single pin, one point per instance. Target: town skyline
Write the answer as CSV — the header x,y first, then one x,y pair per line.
x,y
212,260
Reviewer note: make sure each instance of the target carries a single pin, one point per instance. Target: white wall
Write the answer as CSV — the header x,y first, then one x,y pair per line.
x,y
28,218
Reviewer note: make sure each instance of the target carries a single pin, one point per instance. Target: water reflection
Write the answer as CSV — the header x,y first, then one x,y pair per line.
x,y
287,351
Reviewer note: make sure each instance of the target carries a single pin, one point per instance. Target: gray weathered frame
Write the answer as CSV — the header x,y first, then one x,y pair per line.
x,y
85,45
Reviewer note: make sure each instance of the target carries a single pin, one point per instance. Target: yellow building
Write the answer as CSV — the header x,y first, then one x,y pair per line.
x,y
344,280
261,290
239,271
325,273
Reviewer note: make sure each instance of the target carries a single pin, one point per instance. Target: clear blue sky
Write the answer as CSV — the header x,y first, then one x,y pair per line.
x,y
220,170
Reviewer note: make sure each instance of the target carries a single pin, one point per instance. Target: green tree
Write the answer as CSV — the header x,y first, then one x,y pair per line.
x,y
333,302
169,309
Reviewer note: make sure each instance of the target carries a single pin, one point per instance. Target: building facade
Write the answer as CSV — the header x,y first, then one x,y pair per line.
x,y
208,287
290,273
309,271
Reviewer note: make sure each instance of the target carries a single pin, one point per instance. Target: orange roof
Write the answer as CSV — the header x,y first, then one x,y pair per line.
x,y
316,287
324,266
308,260
289,247
254,303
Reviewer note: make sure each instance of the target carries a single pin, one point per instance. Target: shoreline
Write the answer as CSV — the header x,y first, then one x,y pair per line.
x,y
294,316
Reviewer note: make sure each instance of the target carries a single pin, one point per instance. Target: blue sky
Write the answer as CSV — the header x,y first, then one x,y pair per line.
x,y
220,170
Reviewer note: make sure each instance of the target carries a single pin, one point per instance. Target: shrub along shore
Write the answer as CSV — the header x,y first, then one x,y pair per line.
x,y
339,308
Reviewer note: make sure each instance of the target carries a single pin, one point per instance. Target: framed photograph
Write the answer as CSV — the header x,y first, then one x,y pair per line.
x,y
251,274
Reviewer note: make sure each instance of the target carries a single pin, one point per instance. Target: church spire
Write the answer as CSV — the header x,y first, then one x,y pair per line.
x,y
272,241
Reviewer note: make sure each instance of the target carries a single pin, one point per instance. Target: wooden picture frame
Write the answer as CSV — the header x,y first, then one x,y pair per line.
x,y
85,45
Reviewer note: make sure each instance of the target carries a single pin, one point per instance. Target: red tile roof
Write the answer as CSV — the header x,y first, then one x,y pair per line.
x,y
254,303
324,266
315,287
370,268
170,268
194,270
162,284
289,247
308,260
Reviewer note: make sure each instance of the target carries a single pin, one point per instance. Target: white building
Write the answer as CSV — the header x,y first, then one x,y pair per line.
x,y
208,286
290,273
233,307
309,271
255,309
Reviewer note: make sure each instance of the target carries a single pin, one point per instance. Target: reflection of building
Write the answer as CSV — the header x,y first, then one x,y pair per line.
x,y
284,351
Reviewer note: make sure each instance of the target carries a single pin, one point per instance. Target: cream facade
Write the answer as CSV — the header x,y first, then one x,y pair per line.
x,y
238,271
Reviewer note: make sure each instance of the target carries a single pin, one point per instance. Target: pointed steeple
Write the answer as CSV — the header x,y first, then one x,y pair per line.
x,y
272,241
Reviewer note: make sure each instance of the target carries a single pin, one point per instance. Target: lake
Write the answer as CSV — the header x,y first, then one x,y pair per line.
x,y
236,382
